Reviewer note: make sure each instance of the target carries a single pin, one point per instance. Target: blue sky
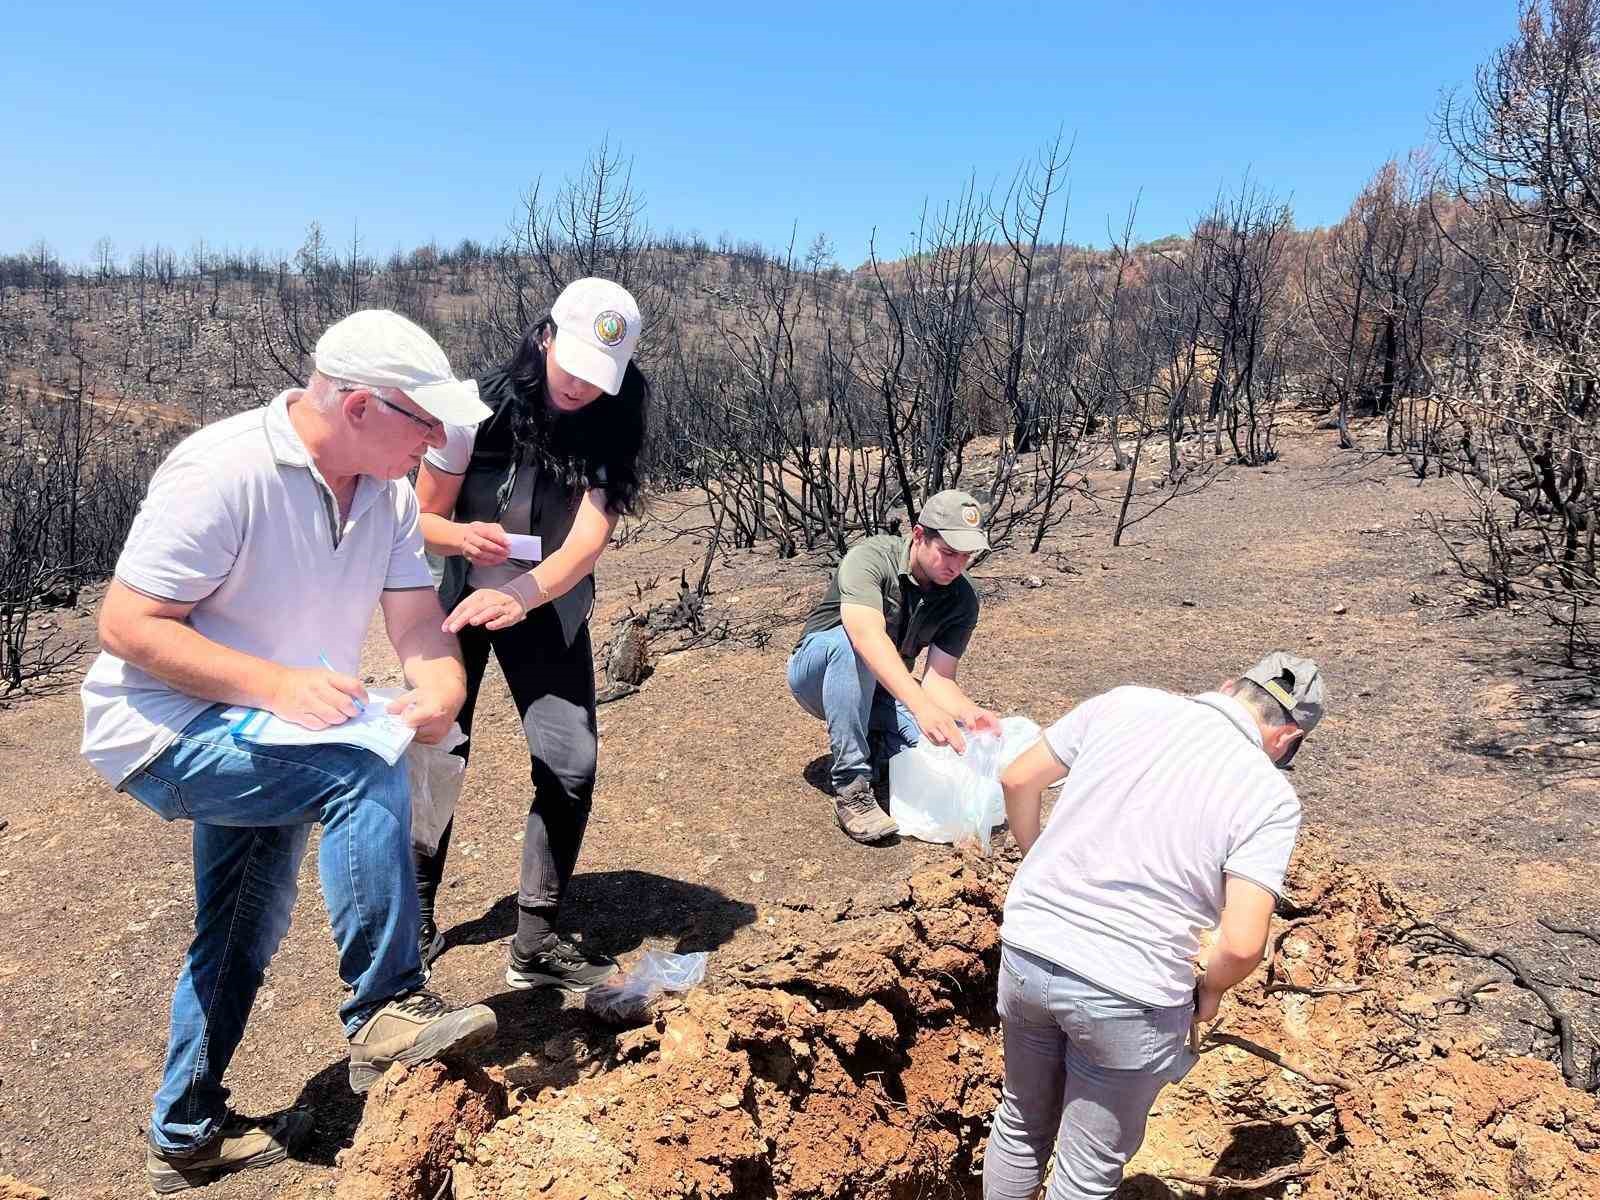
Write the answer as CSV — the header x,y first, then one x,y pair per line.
x,y
166,123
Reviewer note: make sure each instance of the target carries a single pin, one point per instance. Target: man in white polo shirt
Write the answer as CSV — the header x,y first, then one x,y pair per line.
x,y
1174,819
249,578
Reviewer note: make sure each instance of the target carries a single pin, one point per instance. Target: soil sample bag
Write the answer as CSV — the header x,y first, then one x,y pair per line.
x,y
937,795
435,776
627,995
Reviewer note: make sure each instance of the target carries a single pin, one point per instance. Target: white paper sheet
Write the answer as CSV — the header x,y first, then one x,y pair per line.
x,y
373,728
526,547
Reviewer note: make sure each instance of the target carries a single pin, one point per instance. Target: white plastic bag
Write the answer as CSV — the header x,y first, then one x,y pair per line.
x,y
937,795
436,776
627,995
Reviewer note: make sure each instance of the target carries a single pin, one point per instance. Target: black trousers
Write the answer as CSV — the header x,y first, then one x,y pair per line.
x,y
552,684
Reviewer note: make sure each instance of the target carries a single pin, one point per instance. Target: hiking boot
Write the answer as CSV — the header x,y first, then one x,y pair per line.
x,y
560,964
859,814
430,944
412,1029
242,1145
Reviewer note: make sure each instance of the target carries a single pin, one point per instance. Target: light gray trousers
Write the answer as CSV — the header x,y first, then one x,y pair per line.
x,y
1083,1066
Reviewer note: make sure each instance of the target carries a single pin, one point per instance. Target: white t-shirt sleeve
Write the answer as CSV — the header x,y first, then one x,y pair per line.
x,y
1066,737
408,563
185,538
1261,850
455,456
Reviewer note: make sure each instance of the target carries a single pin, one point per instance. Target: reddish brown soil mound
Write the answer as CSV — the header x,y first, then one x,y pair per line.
x,y
1389,1093
1470,1130
861,1061
414,1127
849,1065
14,1189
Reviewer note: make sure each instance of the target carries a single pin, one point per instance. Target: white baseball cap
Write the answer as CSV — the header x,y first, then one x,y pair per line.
x,y
382,349
597,327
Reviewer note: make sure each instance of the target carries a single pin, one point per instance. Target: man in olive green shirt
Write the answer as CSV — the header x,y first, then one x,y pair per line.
x,y
892,597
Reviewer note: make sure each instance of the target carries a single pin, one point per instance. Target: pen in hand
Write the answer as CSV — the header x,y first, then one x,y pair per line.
x,y
362,701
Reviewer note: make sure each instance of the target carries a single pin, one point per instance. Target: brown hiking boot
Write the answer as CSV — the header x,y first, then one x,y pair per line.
x,y
243,1144
859,814
412,1029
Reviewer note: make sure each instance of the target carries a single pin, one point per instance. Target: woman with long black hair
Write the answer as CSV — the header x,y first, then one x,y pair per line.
x,y
521,507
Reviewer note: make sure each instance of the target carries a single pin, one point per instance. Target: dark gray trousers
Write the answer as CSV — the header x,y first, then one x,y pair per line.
x,y
552,684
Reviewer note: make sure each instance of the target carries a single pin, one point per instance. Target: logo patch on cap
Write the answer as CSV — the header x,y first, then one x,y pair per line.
x,y
969,514
610,327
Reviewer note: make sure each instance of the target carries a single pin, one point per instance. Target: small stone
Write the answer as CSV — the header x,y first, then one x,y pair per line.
x,y
1033,581
1339,610
758,876
1186,603
728,1100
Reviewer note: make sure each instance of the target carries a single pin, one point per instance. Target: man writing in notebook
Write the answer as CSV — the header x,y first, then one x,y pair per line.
x,y
249,578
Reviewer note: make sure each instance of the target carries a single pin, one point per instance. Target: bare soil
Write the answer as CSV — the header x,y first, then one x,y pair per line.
x,y
1456,773
862,1061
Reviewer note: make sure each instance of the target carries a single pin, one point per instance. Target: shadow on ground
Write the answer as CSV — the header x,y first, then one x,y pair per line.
x,y
1145,1187
616,911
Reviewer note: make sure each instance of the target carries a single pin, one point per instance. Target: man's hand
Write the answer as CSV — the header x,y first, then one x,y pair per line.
x,y
430,711
1206,1002
484,544
316,698
939,726
979,720
489,607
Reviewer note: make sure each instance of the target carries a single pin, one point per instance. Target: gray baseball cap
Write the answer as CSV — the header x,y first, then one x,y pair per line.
x,y
1293,682
957,518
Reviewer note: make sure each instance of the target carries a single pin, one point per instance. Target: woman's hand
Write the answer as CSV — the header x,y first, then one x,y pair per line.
x,y
489,607
484,544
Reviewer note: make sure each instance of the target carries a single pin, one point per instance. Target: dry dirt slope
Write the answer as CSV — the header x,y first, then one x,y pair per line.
x,y
708,835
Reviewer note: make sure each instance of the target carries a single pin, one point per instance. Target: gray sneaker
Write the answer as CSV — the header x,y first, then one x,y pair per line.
x,y
859,813
242,1145
412,1029
561,964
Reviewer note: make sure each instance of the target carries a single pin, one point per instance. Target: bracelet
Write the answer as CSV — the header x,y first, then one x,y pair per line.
x,y
526,591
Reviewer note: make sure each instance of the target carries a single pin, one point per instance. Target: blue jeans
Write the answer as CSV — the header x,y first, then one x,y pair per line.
x,y
834,684
1083,1067
252,808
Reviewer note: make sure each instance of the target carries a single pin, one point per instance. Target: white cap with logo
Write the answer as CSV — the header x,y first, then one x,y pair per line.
x,y
597,328
380,348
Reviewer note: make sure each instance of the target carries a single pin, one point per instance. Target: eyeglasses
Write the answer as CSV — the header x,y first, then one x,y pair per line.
x,y
429,425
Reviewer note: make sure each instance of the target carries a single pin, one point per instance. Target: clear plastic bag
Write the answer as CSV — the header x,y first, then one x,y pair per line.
x,y
435,776
627,995
937,795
